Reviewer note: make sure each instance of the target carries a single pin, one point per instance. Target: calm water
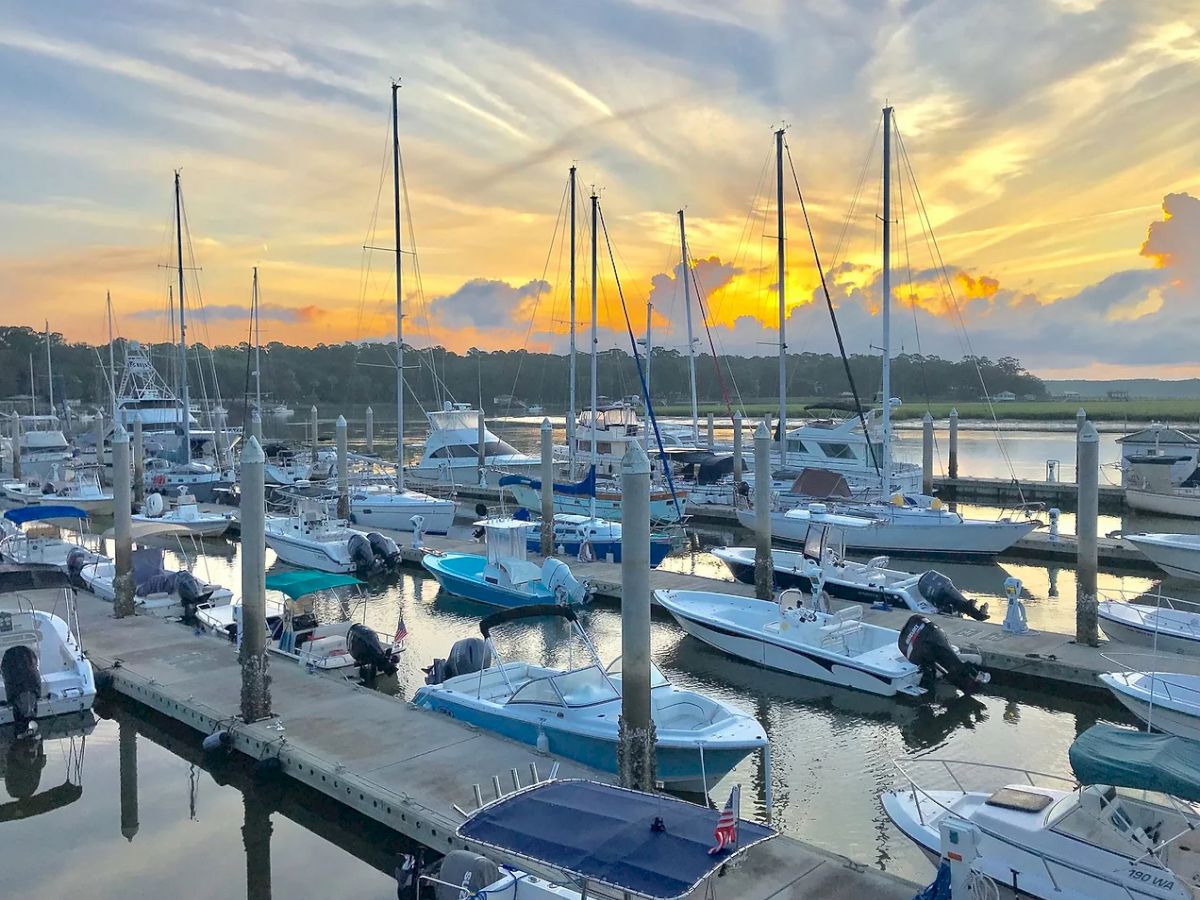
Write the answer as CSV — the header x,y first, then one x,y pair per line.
x,y
832,749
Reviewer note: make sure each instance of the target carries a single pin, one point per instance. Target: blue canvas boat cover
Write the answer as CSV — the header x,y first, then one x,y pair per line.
x,y
608,835
1122,757
585,488
43,513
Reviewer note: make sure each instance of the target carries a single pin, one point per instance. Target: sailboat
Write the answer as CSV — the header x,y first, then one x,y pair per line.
x,y
902,525
387,506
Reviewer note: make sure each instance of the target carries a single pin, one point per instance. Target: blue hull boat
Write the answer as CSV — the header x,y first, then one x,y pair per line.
x,y
660,549
461,574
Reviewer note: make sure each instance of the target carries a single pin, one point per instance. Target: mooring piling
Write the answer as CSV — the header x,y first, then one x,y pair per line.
x,y
547,489
122,525
764,570
252,652
1088,453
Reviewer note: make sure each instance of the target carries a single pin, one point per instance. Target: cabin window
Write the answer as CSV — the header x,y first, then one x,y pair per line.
x,y
795,446
837,451
540,691
499,448
603,447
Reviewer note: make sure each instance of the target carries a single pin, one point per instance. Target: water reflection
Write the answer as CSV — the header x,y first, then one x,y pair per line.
x,y
24,761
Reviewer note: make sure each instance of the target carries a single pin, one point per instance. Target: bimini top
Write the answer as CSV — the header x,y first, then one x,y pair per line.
x,y
607,835
17,577
24,514
297,584
1122,757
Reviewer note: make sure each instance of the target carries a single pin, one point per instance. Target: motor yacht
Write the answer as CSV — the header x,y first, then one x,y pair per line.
x,y
451,454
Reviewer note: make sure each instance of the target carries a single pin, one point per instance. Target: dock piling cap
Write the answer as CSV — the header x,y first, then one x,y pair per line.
x,y
1088,433
253,452
635,461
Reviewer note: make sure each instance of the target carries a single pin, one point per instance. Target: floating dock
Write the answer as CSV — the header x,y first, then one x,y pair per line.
x,y
404,767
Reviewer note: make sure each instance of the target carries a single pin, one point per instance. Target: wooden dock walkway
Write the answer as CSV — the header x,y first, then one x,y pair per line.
x,y
386,759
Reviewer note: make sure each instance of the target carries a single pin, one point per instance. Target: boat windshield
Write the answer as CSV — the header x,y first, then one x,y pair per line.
x,y
585,687
657,678
1130,823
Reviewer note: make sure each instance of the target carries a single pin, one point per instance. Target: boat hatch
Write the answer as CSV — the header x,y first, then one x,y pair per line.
x,y
1019,800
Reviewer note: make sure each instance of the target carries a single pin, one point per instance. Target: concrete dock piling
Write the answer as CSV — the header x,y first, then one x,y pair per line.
x,y
547,489
927,454
635,750
341,440
313,426
737,450
952,461
122,525
16,448
256,425
128,775
370,430
252,654
1080,421
764,570
712,432
98,430
139,461
1088,454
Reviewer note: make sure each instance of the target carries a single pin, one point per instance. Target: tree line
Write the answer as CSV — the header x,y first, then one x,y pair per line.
x,y
361,374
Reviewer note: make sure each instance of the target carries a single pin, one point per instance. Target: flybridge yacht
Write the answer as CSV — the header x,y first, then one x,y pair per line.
x,y
143,394
42,444
838,445
615,427
452,449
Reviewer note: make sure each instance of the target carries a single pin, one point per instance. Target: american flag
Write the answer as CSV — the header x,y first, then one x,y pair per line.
x,y
401,630
726,833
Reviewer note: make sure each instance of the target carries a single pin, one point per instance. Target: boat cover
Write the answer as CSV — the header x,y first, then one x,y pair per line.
x,y
650,845
585,488
297,584
25,514
1122,757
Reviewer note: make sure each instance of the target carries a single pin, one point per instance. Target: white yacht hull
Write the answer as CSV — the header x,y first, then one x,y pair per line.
x,y
1181,505
396,512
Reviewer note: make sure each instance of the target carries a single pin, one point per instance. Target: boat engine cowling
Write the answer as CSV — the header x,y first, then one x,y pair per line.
x,y
558,578
384,548
927,647
468,655
22,682
191,592
361,552
941,592
77,558
366,650
464,874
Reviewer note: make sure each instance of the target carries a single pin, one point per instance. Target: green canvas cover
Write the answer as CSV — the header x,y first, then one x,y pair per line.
x,y
1122,757
297,584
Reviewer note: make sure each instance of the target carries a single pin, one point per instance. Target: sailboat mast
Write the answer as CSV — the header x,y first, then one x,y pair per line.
x,y
257,349
685,274
32,388
886,469
595,341
49,368
782,308
649,350
112,366
399,291
183,375
572,363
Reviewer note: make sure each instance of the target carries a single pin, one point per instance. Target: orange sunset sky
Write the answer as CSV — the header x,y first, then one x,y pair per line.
x,y
1055,144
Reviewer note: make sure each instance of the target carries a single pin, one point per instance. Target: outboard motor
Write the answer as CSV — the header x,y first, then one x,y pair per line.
x,y
365,649
941,592
77,558
361,553
464,874
557,577
467,656
191,593
384,548
22,683
926,646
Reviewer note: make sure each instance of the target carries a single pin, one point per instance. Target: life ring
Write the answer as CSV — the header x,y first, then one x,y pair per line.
x,y
159,480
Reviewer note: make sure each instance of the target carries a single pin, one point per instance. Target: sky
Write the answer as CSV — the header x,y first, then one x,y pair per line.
x,y
1045,172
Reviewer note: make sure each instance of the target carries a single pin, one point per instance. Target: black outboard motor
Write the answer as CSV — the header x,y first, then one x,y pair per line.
x,y
365,649
384,548
191,593
468,655
22,683
77,558
926,646
361,553
941,592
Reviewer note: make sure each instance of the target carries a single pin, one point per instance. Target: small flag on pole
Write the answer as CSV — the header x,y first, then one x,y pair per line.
x,y
726,832
401,630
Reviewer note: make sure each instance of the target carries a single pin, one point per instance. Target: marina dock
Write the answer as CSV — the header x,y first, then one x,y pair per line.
x,y
378,755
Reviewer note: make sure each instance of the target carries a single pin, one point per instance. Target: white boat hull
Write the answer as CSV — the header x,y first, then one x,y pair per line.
x,y
1185,506
1171,553
1173,706
207,526
308,555
396,512
1167,638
